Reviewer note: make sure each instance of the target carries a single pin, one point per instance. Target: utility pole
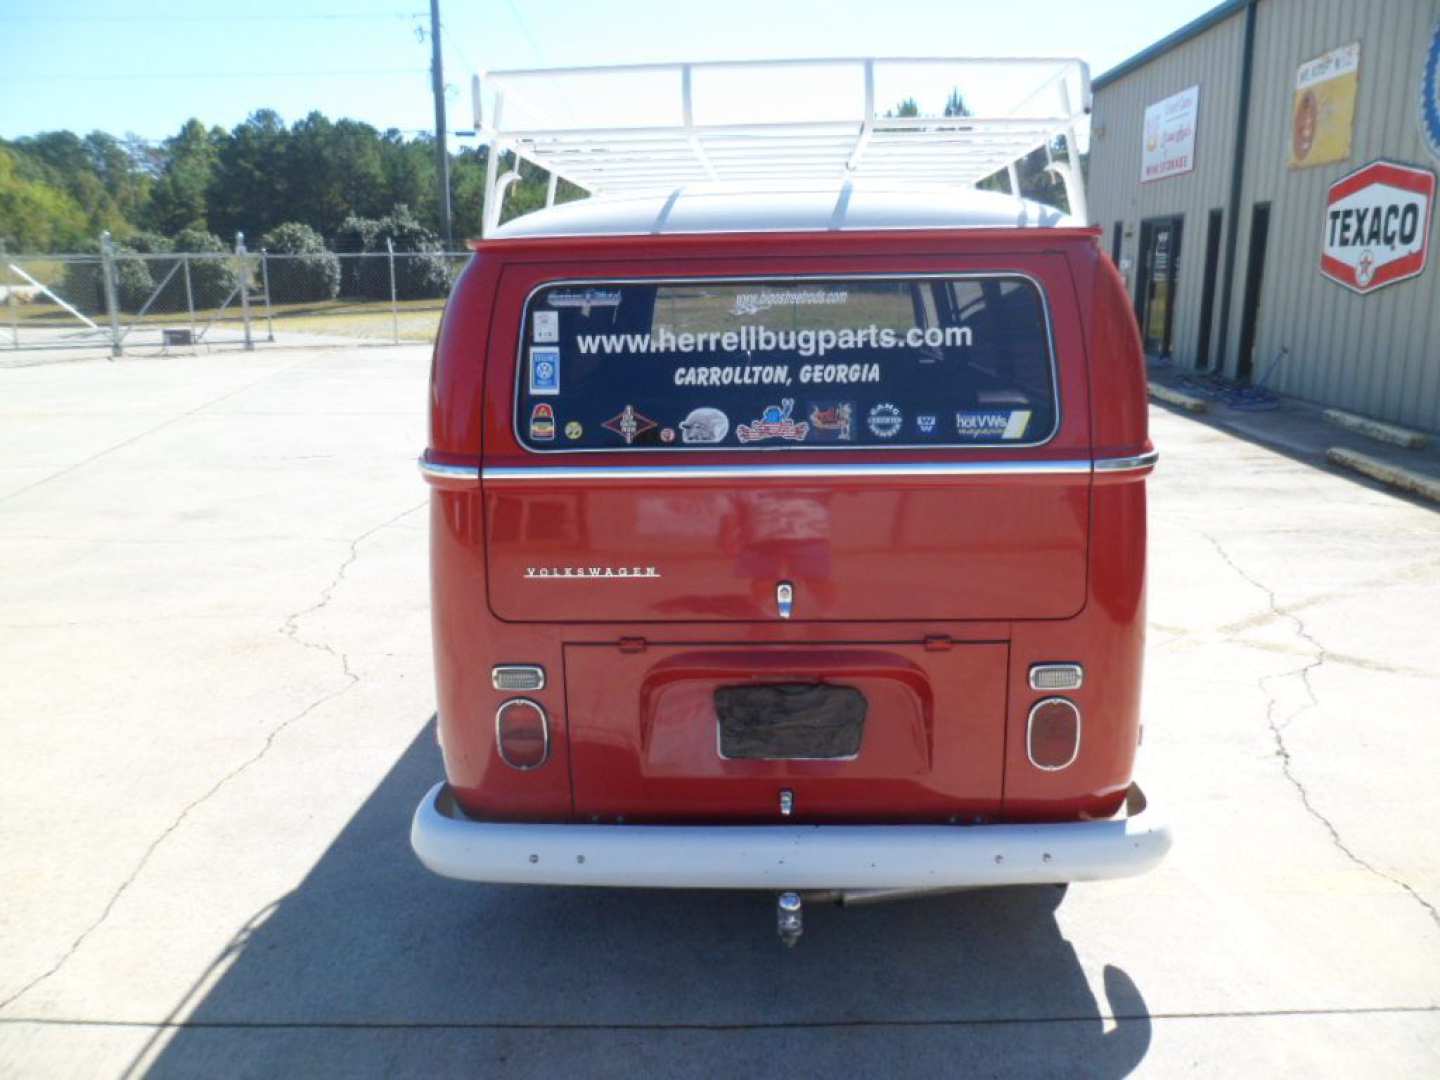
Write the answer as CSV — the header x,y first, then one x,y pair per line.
x,y
442,156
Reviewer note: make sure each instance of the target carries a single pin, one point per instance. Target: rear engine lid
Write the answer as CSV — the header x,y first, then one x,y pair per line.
x,y
650,736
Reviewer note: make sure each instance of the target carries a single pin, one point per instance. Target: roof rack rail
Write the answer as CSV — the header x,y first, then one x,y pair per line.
x,y
615,131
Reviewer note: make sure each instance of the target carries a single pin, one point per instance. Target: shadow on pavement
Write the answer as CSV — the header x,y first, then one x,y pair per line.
x,y
375,966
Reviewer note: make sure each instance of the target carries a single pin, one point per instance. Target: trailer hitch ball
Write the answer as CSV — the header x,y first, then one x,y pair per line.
x,y
789,918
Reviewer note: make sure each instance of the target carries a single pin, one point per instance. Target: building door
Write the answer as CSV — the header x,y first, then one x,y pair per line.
x,y
1207,294
1156,281
1254,276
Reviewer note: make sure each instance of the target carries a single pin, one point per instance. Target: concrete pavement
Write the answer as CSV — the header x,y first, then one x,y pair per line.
x,y
216,716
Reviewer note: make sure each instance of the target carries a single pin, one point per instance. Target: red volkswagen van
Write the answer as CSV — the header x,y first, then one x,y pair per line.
x,y
789,538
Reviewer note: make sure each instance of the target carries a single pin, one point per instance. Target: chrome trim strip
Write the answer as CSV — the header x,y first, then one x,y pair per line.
x,y
1146,460
1030,732
791,279
1036,670
436,470
544,730
798,472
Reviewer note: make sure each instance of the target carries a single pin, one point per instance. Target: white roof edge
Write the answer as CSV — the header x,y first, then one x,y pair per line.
x,y
712,208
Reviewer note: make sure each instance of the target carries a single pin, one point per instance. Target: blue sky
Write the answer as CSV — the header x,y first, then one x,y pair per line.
x,y
123,66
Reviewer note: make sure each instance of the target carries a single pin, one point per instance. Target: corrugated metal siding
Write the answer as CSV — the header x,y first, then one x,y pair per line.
x,y
1211,60
1377,354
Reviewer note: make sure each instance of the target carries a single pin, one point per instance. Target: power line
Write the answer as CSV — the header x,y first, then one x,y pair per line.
x,y
141,75
534,45
328,16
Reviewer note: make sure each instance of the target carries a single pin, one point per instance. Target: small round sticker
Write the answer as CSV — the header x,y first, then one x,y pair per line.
x,y
884,420
573,430
667,435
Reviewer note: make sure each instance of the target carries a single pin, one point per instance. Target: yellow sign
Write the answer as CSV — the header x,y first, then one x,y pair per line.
x,y
1323,117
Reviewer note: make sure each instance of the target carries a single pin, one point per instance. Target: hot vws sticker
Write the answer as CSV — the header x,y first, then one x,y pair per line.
x,y
1430,93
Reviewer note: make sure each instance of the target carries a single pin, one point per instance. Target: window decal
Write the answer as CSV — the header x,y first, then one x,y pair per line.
x,y
781,365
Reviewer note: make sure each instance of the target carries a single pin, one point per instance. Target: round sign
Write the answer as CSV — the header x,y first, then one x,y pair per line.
x,y
884,420
1430,93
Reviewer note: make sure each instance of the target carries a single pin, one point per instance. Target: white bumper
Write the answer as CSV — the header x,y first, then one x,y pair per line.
x,y
786,856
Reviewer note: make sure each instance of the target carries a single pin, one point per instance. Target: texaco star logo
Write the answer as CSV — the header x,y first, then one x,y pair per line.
x,y
1365,270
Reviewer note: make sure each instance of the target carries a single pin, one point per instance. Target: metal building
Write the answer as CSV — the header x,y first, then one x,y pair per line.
x,y
1228,169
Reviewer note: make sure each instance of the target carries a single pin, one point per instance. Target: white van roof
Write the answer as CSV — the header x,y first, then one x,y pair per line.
x,y
715,208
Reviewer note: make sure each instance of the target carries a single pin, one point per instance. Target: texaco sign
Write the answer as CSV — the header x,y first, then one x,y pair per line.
x,y
1377,226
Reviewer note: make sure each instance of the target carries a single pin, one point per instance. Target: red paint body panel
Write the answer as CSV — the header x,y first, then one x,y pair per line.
x,y
933,739
983,553
1012,570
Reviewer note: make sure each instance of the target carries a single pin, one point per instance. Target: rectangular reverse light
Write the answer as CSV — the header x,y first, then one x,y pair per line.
x,y
517,677
1056,676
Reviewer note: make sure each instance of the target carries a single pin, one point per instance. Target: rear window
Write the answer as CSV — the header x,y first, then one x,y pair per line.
x,y
962,360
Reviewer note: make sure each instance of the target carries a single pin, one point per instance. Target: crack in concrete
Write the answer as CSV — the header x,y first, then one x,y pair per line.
x,y
1277,727
289,629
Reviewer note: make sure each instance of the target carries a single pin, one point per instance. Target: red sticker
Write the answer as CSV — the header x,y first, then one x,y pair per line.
x,y
542,423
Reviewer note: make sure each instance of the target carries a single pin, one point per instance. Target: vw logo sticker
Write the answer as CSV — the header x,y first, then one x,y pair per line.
x,y
1430,93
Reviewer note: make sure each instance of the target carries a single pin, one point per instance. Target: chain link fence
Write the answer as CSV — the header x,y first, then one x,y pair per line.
x,y
122,301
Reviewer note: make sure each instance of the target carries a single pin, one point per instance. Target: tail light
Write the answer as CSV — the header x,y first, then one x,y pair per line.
x,y
522,734
1052,737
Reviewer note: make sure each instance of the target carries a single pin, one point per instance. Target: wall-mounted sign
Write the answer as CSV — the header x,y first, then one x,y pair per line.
x,y
1322,117
1430,93
1377,226
1168,142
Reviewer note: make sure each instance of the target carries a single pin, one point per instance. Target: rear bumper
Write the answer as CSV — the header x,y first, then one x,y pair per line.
x,y
786,856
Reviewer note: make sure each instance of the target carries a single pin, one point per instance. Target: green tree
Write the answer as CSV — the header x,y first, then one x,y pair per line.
x,y
178,199
333,170
304,268
214,276
34,215
63,160
420,268
248,191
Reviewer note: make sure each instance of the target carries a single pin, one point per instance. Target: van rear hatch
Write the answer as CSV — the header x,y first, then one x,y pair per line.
x,y
842,729
890,447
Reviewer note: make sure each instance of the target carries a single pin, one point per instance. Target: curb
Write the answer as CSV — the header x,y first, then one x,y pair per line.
x,y
1179,400
1427,487
1375,429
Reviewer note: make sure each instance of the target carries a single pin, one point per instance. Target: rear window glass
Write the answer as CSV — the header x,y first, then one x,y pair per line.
x,y
786,365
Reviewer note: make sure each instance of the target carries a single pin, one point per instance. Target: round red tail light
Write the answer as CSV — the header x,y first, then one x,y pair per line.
x,y
1052,738
522,734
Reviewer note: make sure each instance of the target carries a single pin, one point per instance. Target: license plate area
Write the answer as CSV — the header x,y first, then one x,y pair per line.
x,y
789,722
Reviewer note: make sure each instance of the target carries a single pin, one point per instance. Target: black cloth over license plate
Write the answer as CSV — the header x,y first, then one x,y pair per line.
x,y
790,720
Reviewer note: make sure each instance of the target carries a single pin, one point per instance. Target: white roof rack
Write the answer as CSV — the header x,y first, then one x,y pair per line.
x,y
619,131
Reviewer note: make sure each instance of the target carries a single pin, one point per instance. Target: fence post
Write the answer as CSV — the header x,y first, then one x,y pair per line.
x,y
269,314
244,289
189,297
10,302
112,306
394,299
